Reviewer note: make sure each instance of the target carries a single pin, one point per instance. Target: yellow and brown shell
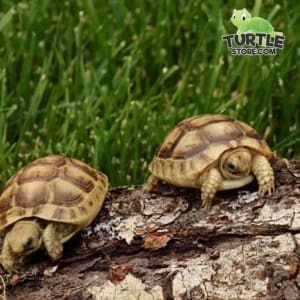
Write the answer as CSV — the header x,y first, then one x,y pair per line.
x,y
53,188
197,143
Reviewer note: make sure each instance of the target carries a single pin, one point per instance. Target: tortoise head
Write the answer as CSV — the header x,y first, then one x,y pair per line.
x,y
240,17
25,237
236,163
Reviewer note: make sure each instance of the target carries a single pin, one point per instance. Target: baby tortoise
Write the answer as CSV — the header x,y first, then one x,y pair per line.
x,y
212,152
45,204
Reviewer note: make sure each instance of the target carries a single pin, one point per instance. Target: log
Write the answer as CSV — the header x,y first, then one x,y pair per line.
x,y
165,246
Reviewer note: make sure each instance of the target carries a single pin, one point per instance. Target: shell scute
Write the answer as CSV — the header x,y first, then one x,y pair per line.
x,y
66,194
221,131
84,168
196,121
38,172
82,210
59,213
248,130
167,148
53,160
72,213
30,195
190,144
6,200
78,177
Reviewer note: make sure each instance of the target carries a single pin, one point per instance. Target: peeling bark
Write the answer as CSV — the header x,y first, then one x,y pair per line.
x,y
150,246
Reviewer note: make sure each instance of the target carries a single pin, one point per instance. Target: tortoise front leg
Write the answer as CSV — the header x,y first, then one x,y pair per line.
x,y
52,241
8,258
263,171
54,235
210,185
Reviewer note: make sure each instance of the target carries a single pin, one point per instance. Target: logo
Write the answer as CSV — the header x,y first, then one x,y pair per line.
x,y
255,35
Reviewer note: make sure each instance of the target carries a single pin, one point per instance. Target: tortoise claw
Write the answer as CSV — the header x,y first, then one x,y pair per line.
x,y
267,188
264,174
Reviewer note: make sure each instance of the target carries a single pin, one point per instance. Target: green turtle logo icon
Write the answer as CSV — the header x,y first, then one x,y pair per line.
x,y
245,23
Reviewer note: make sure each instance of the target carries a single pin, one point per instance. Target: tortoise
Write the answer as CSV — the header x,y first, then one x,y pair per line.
x,y
212,152
45,204
244,21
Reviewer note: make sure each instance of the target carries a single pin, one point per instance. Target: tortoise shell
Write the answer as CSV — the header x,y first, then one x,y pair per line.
x,y
197,143
53,188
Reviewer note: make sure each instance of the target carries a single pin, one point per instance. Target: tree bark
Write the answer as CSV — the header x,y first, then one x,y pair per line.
x,y
154,246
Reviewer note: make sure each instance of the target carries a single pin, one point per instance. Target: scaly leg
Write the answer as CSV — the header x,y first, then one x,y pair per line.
x,y
52,242
210,185
54,235
263,171
8,258
150,184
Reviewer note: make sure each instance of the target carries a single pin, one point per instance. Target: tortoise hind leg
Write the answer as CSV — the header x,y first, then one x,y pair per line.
x,y
54,235
151,184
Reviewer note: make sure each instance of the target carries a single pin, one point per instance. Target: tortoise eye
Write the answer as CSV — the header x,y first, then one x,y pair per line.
x,y
29,243
231,167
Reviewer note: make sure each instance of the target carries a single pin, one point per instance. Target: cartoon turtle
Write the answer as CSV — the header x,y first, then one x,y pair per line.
x,y
244,21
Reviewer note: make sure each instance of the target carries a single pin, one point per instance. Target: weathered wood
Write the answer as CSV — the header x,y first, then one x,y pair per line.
x,y
149,246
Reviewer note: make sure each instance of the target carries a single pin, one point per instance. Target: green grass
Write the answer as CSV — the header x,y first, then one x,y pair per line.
x,y
104,81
